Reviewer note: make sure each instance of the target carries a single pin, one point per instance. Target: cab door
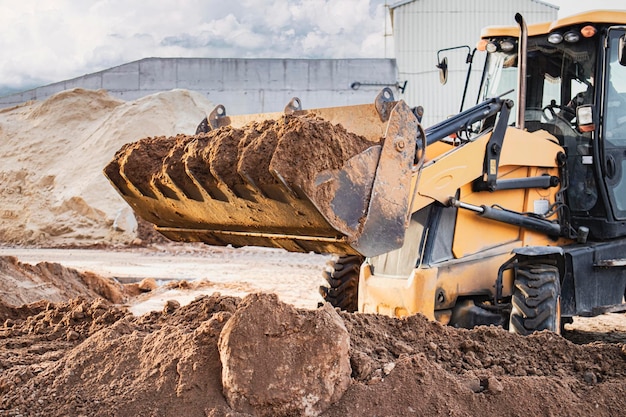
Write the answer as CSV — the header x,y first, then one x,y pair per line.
x,y
613,138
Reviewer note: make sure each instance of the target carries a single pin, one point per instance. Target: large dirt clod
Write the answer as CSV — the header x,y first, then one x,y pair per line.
x,y
281,362
310,146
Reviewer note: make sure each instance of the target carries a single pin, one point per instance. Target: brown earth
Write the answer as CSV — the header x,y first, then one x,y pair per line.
x,y
90,358
89,355
24,284
325,147
252,154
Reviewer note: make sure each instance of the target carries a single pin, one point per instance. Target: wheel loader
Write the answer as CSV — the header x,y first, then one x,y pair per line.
x,y
510,213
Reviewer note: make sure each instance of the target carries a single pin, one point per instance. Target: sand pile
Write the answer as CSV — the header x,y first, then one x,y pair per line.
x,y
83,358
52,188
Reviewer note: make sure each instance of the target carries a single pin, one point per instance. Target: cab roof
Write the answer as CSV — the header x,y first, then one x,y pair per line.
x,y
617,17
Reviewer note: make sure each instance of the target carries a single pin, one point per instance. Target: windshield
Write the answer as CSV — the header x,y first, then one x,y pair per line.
x,y
560,77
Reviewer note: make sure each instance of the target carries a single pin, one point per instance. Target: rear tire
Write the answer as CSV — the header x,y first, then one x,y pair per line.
x,y
343,283
536,301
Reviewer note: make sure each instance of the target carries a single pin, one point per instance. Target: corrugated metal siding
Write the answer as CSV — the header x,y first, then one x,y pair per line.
x,y
422,27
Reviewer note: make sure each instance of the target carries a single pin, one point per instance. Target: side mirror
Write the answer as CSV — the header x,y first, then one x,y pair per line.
x,y
621,51
443,70
584,118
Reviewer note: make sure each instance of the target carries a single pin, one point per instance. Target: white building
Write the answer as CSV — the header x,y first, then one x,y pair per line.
x,y
423,27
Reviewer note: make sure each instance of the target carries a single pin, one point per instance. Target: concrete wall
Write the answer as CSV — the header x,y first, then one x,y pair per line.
x,y
241,85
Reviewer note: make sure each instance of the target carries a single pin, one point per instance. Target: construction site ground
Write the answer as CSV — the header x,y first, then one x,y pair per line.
x,y
97,321
58,362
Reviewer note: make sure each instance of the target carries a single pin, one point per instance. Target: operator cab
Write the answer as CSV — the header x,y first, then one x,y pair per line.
x,y
576,91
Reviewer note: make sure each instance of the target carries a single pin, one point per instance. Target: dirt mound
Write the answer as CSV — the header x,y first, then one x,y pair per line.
x,y
482,371
158,364
24,284
51,184
168,364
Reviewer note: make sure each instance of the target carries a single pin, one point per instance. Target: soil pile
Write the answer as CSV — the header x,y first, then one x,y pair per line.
x,y
83,358
250,155
24,284
52,188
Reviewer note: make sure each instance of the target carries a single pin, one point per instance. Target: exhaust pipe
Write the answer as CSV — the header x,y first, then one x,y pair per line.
x,y
521,70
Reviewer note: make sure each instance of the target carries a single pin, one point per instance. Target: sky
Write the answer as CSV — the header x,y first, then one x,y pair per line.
x,y
48,41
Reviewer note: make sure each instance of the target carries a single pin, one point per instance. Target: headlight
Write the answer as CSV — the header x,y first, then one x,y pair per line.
x,y
571,37
507,46
555,38
492,47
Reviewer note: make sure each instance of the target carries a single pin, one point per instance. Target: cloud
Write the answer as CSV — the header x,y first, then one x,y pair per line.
x,y
45,42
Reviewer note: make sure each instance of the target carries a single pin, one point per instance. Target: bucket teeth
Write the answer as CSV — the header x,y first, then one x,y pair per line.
x,y
220,156
174,172
255,157
197,171
143,160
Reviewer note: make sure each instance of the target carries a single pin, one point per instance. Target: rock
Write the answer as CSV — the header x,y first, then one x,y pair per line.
x,y
494,385
362,365
473,384
72,335
125,220
590,378
279,361
148,284
388,367
171,306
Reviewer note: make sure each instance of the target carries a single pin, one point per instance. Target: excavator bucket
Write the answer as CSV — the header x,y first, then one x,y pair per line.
x,y
330,180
